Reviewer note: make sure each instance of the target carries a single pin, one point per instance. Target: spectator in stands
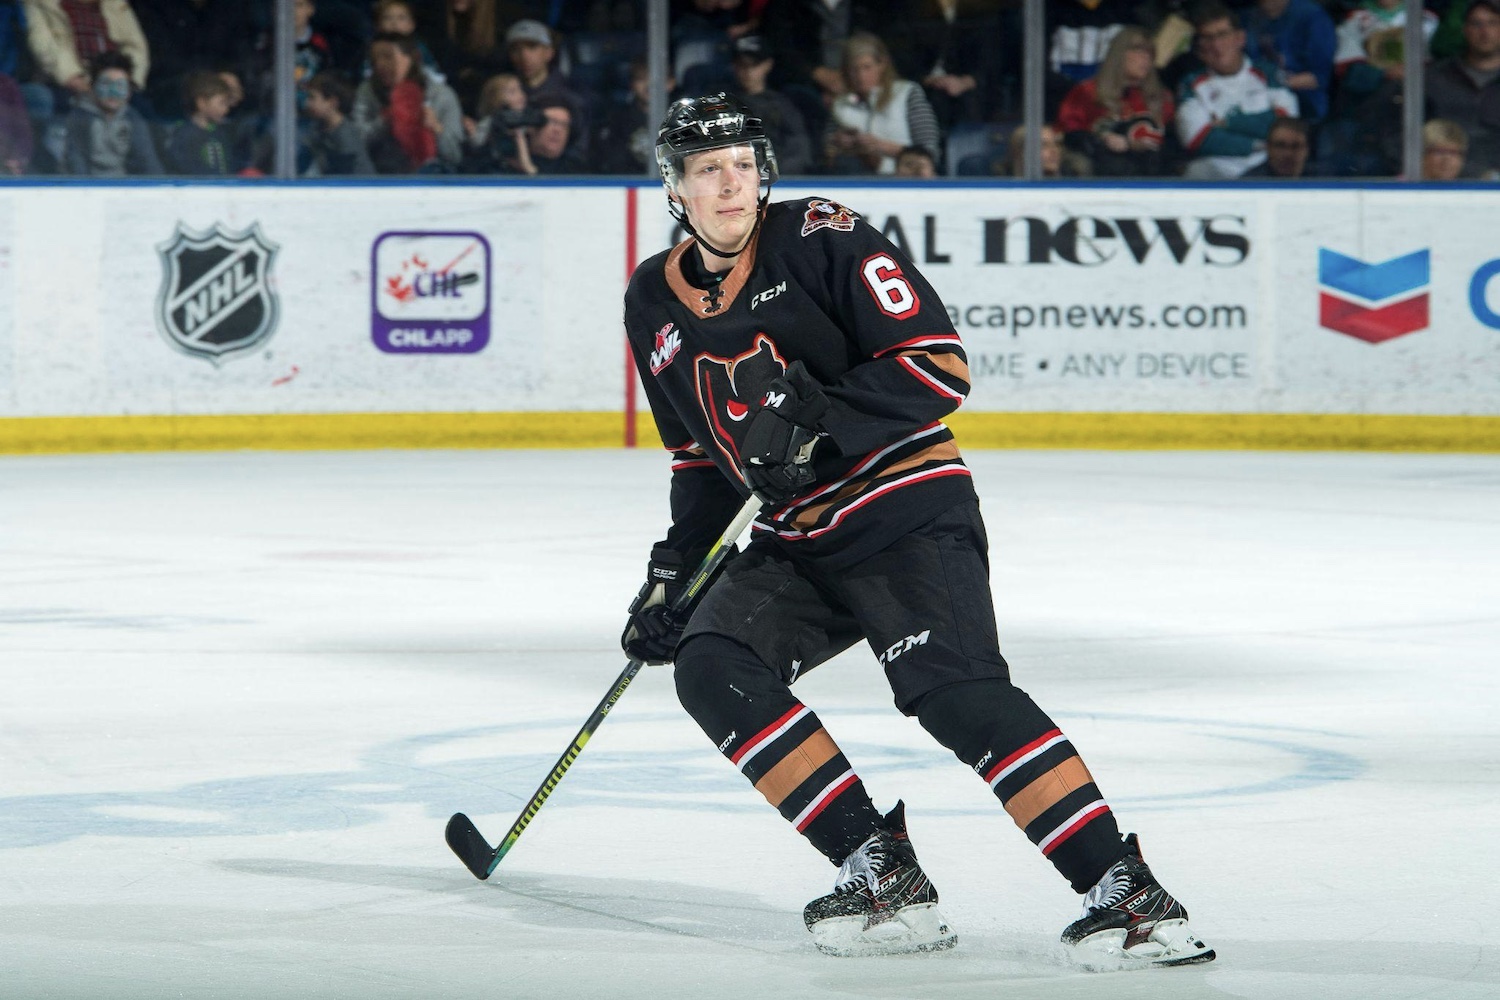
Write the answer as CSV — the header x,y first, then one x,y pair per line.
x,y
200,145
343,28
16,61
1287,148
16,141
1466,88
15,57
625,140
726,19
914,161
808,38
878,115
1445,148
1298,36
1057,161
396,17
548,148
313,54
335,145
495,138
66,35
106,137
753,62
1225,111
1079,33
190,35
1371,43
950,45
410,122
532,52
466,43
553,144
1119,118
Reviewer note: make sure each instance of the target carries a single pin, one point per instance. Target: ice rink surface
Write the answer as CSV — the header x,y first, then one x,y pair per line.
x,y
243,692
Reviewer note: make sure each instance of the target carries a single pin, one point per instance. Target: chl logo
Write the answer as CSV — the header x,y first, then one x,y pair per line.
x,y
216,297
430,292
903,645
668,343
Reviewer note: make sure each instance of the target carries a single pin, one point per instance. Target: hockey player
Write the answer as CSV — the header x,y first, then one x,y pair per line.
x,y
790,350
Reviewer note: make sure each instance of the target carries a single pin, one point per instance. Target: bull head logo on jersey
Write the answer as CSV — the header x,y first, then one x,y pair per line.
x,y
728,387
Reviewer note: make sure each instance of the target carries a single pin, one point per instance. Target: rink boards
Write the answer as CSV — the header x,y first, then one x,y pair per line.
x,y
343,316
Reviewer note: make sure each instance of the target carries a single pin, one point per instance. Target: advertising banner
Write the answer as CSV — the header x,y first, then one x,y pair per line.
x,y
1387,303
1085,299
285,300
243,300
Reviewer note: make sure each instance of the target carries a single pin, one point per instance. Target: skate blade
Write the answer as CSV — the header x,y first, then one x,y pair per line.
x,y
910,929
1170,942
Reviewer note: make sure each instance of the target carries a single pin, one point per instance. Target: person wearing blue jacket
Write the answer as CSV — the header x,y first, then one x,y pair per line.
x,y
1299,37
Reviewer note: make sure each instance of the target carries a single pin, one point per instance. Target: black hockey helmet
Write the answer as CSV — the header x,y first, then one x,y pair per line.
x,y
695,124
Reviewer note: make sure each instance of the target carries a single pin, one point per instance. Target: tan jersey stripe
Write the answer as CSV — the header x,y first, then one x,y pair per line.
x,y
947,363
796,767
1047,791
943,451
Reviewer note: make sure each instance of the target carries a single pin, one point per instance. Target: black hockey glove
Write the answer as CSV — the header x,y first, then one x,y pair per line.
x,y
653,631
782,435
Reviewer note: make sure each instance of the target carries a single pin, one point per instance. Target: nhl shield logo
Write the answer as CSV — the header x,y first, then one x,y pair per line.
x,y
216,298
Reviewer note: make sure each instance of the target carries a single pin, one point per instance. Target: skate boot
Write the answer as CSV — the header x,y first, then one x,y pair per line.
x,y
882,903
1130,921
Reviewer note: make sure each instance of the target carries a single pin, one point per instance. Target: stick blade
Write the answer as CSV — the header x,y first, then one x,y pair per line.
x,y
470,846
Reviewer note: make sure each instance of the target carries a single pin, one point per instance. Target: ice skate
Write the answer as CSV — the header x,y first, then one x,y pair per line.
x,y
1130,921
882,902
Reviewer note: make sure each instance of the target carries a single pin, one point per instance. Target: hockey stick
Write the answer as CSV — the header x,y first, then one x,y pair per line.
x,y
464,837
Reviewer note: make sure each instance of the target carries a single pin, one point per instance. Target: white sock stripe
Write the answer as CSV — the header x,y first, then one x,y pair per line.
x,y
1062,827
1054,741
822,797
769,738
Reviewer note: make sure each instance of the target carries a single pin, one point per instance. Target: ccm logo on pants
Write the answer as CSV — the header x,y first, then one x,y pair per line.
x,y
910,642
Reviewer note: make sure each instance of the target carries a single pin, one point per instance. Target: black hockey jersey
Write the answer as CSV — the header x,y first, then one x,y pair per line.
x,y
816,284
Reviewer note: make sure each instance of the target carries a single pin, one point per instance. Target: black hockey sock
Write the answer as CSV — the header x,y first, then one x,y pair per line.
x,y
995,728
777,742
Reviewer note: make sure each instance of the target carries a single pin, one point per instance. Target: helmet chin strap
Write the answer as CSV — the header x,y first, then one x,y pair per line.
x,y
760,209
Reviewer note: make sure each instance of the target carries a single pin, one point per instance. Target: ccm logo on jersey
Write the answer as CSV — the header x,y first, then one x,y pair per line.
x,y
910,642
767,295
827,215
668,343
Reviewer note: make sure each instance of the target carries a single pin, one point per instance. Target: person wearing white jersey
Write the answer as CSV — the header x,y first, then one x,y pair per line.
x,y
1225,110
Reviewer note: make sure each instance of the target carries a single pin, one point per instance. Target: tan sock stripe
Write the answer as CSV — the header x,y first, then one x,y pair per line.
x,y
1047,790
796,767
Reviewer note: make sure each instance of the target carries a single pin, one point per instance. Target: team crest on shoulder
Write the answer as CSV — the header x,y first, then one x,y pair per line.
x,y
827,215
668,343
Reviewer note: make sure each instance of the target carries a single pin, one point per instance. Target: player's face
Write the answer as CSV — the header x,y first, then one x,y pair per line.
x,y
720,189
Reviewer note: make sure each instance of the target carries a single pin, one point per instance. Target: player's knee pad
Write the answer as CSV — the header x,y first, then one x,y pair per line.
x,y
973,718
712,670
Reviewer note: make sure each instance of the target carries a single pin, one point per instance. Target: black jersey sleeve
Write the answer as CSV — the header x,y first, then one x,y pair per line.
x,y
703,501
912,369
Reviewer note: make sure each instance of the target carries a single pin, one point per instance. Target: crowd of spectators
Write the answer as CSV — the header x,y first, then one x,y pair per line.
x,y
1215,89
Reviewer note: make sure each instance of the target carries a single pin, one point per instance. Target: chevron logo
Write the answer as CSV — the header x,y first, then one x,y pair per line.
x,y
1374,302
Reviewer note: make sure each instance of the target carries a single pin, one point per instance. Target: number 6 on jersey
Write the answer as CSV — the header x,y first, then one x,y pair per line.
x,y
893,294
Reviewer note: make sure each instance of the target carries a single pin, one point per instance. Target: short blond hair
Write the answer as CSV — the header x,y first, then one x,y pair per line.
x,y
1443,132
